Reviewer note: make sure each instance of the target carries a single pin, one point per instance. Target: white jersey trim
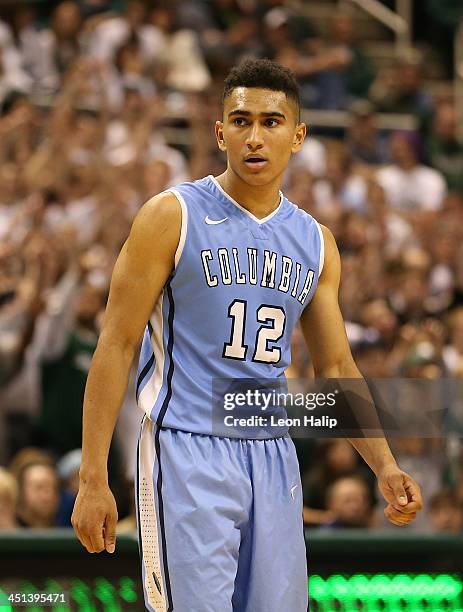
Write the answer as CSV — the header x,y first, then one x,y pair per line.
x,y
183,231
150,392
322,248
150,544
245,210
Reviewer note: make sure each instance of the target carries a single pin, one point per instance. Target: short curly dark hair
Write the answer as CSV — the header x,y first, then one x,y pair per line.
x,y
265,74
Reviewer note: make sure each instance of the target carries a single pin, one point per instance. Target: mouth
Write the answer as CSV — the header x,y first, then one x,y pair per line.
x,y
254,162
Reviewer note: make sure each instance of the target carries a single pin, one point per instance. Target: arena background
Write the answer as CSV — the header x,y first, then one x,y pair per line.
x,y
104,104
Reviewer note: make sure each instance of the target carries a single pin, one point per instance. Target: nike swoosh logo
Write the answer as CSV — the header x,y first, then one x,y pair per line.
x,y
292,490
213,221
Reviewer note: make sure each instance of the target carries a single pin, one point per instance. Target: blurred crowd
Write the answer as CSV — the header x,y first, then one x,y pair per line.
x,y
104,104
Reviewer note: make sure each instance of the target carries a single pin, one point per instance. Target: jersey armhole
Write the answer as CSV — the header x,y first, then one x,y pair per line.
x,y
322,249
184,226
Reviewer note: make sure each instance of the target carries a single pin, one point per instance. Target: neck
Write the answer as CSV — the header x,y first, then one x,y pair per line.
x,y
408,164
259,200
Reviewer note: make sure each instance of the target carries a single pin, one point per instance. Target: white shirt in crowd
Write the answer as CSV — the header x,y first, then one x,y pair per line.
x,y
419,189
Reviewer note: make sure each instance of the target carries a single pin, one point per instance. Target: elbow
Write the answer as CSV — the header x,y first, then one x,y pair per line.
x,y
117,346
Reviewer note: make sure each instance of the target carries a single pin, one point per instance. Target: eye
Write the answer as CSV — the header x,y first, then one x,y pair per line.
x,y
271,122
239,121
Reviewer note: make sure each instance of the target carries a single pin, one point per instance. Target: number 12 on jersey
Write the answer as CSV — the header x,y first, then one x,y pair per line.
x,y
273,319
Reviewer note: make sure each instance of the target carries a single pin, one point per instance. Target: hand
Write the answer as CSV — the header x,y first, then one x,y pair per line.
x,y
94,517
402,494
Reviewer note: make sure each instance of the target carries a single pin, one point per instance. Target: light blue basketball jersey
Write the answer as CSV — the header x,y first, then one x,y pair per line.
x,y
229,308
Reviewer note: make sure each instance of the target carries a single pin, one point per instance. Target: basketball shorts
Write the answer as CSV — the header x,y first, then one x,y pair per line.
x,y
219,523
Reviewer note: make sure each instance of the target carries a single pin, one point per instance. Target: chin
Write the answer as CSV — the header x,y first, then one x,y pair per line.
x,y
257,179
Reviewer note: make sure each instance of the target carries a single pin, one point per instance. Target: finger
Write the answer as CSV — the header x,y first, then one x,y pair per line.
x,y
110,533
393,514
396,484
399,511
392,519
413,491
85,541
397,523
89,537
76,531
96,539
410,508
79,532
404,520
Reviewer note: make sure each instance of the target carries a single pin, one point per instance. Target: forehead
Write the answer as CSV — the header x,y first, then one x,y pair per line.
x,y
39,472
258,100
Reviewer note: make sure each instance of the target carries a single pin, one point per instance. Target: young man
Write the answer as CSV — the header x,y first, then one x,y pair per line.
x,y
221,269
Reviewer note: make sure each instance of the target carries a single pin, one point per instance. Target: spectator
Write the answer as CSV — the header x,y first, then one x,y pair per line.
x,y
453,351
114,32
364,142
445,513
300,189
378,316
408,296
348,501
388,227
408,185
13,76
229,29
8,500
400,90
64,376
59,46
335,459
312,158
424,456
444,151
132,137
371,359
185,67
28,455
156,178
353,75
68,471
342,186
38,496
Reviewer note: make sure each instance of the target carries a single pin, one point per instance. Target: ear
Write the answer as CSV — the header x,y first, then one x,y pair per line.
x,y
219,136
299,137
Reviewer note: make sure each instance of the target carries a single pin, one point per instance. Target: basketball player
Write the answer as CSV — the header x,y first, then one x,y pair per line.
x,y
221,269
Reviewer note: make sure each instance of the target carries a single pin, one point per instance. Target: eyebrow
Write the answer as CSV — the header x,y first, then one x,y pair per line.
x,y
263,114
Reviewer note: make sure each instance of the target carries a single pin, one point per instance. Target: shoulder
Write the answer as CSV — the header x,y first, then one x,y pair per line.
x,y
159,210
331,248
157,226
387,172
5,34
193,195
332,260
431,175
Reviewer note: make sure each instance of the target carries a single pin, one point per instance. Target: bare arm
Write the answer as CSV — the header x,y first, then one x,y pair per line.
x,y
332,358
142,269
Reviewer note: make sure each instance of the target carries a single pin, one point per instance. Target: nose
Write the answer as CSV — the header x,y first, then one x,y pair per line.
x,y
254,141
